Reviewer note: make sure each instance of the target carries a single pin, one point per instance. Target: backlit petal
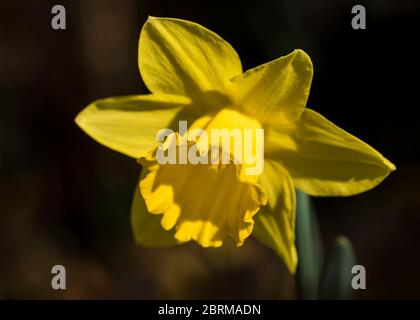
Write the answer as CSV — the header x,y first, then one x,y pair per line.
x,y
325,160
129,124
276,90
182,57
275,223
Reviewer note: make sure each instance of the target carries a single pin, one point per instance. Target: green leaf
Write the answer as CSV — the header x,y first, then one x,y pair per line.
x,y
310,253
337,276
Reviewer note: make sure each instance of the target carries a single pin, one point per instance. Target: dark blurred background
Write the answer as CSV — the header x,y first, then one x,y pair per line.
x,y
64,199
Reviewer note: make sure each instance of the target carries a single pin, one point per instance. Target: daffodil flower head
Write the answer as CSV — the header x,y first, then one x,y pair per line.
x,y
195,76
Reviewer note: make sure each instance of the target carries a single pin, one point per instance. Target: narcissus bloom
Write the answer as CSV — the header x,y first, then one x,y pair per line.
x,y
195,75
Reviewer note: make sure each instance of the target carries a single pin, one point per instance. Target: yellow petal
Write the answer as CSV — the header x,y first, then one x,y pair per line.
x,y
201,202
239,135
325,160
182,57
276,90
275,223
129,124
146,227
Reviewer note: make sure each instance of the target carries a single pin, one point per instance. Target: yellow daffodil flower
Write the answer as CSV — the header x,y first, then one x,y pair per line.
x,y
196,76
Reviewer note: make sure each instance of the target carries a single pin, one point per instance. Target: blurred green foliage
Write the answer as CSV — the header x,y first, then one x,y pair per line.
x,y
318,277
